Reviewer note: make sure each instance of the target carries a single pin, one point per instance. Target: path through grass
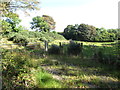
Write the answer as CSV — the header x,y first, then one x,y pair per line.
x,y
75,72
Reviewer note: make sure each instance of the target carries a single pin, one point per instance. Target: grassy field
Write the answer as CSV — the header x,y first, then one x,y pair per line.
x,y
81,73
85,43
42,70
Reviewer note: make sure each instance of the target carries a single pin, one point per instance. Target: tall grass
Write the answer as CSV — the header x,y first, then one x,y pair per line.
x,y
45,80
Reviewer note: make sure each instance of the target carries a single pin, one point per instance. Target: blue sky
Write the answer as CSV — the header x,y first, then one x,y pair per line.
x,y
99,13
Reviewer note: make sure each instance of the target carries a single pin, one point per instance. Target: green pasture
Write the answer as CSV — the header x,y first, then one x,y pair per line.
x,y
84,43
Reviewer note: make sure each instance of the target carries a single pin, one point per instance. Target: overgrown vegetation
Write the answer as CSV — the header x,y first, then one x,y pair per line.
x,y
24,72
66,64
31,36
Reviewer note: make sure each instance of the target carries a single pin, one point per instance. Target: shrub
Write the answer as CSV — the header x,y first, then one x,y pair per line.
x,y
54,49
33,36
11,35
74,48
107,55
12,63
22,40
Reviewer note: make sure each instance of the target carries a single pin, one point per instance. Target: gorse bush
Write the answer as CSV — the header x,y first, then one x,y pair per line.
x,y
54,49
20,39
107,55
74,48
13,63
33,36
11,36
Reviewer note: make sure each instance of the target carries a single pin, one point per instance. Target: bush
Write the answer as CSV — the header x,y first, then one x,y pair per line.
x,y
35,36
50,36
11,36
107,55
54,49
74,48
22,40
12,62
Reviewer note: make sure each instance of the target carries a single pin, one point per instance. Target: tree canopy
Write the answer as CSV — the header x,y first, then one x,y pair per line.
x,y
80,32
87,32
44,23
13,5
39,24
50,21
10,19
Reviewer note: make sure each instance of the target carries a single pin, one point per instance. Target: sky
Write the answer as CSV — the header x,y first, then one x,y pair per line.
x,y
99,13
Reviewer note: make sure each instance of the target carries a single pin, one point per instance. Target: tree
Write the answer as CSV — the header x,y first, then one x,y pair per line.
x,y
116,32
11,23
39,24
7,11
86,32
50,21
6,27
69,32
14,20
80,32
13,5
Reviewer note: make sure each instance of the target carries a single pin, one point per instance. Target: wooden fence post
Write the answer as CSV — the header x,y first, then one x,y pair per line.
x,y
81,46
46,46
60,44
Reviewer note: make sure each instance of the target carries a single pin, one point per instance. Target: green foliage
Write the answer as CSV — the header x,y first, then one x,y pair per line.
x,y
54,49
50,21
11,6
21,70
51,36
45,80
80,32
86,32
108,56
10,35
39,24
11,23
13,20
106,35
6,27
0,37
74,48
12,62
32,36
20,39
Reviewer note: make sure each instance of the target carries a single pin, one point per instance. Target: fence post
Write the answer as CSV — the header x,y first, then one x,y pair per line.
x,y
46,46
60,44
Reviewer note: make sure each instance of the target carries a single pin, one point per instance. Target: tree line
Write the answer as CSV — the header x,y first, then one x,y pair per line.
x,y
85,32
